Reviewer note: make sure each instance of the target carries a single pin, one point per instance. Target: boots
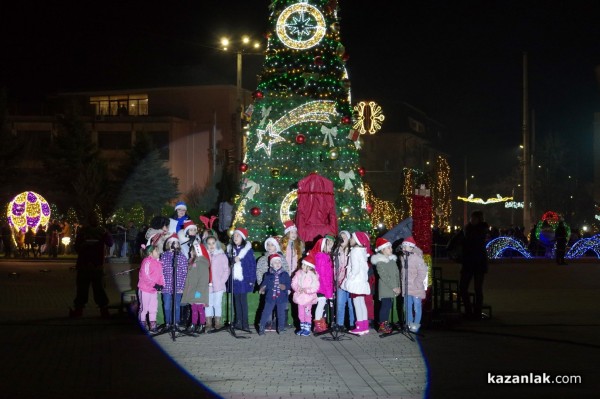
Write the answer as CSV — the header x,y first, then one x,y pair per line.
x,y
210,323
306,330
217,323
362,327
384,328
365,327
358,327
320,326
200,329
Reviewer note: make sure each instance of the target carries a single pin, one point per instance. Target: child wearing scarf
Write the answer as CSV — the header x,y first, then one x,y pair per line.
x,y
274,286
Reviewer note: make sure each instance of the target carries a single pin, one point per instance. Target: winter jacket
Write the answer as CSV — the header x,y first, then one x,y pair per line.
x,y
474,251
324,269
357,272
151,273
417,274
269,284
90,245
219,266
196,283
181,263
309,282
244,271
389,275
262,266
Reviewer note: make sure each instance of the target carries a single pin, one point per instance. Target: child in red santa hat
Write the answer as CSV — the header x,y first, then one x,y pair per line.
x,y
357,279
244,275
389,281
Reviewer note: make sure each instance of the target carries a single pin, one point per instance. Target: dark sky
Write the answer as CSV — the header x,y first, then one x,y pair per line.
x,y
459,61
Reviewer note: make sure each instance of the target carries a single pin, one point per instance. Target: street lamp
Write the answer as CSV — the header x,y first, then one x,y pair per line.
x,y
240,47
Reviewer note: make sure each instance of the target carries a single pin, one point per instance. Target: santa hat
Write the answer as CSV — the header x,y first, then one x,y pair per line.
x,y
241,231
289,226
188,224
274,257
309,261
273,241
363,240
409,241
172,237
346,232
382,243
181,205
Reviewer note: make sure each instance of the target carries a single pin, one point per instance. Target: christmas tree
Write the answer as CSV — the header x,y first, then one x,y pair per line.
x,y
301,122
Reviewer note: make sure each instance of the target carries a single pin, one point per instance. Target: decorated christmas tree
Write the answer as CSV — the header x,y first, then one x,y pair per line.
x,y
301,124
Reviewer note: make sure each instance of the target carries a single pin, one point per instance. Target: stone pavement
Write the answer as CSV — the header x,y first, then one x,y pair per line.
x,y
546,319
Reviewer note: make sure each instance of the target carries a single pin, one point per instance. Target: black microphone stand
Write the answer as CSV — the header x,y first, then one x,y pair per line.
x,y
336,331
173,329
228,325
403,329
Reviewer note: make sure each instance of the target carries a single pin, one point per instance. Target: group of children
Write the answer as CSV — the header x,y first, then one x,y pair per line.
x,y
343,268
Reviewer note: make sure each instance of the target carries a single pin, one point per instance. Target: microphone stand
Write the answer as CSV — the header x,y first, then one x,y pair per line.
x,y
228,325
337,333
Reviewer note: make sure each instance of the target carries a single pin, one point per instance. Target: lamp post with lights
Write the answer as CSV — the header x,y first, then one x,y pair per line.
x,y
244,46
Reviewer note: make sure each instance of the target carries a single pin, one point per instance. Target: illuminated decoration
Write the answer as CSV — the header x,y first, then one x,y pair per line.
x,y
243,167
285,211
381,210
441,193
546,226
314,111
65,241
28,209
422,218
584,245
301,26
275,173
492,200
255,211
297,129
361,171
513,204
499,246
369,117
345,210
597,217
257,95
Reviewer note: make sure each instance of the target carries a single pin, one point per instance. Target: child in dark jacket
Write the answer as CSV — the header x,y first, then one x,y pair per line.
x,y
276,282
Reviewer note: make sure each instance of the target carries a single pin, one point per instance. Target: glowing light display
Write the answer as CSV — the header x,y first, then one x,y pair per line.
x,y
492,200
369,117
498,246
584,245
28,209
301,26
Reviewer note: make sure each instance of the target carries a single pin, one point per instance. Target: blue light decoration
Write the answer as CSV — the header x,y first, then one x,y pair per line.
x,y
582,246
496,247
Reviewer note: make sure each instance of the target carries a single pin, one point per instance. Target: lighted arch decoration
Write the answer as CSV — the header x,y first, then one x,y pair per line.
x,y
28,209
546,236
584,245
496,247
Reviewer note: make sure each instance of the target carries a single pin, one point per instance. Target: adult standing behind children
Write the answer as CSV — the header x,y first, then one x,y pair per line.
x,y
474,264
91,245
244,275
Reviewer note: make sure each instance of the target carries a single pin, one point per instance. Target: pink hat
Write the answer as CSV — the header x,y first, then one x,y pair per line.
x,y
241,231
309,260
289,226
382,243
410,241
363,240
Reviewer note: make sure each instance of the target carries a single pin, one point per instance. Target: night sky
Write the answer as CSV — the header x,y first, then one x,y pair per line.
x,y
458,61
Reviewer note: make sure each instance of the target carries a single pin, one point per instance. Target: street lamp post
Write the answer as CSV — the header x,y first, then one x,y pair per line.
x,y
240,48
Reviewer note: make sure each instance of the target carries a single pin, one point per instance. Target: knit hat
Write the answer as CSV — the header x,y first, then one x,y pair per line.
x,y
289,226
382,243
181,205
153,240
409,241
273,241
188,224
363,240
241,231
309,261
273,257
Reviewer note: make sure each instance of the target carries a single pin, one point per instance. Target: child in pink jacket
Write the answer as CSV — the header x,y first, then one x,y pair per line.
x,y
150,282
219,268
305,285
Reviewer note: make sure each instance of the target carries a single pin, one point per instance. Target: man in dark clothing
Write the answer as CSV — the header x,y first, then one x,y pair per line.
x,y
474,264
90,245
560,235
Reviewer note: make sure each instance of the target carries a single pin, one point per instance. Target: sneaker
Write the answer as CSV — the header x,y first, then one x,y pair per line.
x,y
261,330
